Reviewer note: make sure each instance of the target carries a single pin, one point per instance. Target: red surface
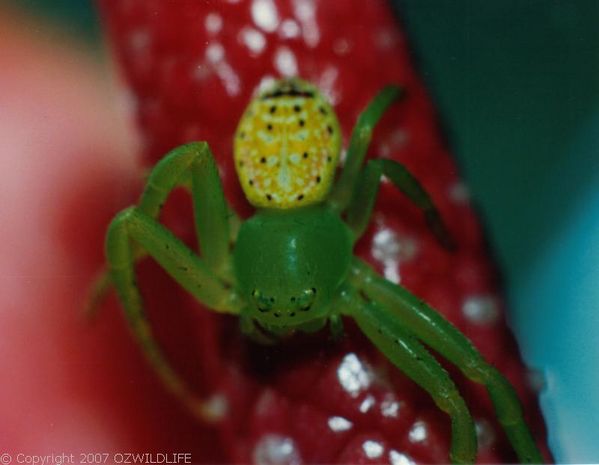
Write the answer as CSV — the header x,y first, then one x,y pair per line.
x,y
191,76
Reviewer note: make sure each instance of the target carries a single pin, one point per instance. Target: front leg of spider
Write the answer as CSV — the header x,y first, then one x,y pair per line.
x,y
136,230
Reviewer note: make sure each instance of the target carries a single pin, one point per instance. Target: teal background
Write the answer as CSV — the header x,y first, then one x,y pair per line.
x,y
75,17
517,87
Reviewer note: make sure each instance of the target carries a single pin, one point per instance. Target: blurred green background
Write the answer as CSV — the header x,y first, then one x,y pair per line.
x,y
517,87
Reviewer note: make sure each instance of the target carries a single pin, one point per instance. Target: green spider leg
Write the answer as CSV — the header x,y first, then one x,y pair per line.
x,y
407,354
355,191
343,189
360,208
215,234
423,322
135,232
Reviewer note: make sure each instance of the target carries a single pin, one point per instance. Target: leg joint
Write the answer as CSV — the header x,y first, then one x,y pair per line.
x,y
449,400
476,369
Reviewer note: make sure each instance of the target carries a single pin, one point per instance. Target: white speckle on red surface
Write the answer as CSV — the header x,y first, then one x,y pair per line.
x,y
393,143
213,23
327,83
481,309
265,15
266,82
289,29
397,458
215,52
390,406
390,251
367,404
217,406
253,39
485,434
229,78
391,271
285,62
339,424
273,449
373,449
418,432
354,375
305,12
215,62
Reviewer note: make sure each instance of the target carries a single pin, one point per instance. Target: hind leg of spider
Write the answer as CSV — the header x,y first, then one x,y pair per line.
x,y
406,353
366,189
191,166
133,227
436,332
358,146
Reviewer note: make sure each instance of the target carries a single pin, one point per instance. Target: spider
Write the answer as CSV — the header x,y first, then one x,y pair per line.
x,y
291,266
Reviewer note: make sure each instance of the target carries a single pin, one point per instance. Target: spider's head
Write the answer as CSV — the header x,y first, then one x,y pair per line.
x,y
289,265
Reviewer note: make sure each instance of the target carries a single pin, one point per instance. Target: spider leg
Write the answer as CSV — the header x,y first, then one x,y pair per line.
x,y
135,232
364,196
358,146
192,166
133,227
435,331
99,289
404,351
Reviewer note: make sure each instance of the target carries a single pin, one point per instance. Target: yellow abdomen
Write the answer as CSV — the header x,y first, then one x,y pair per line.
x,y
287,146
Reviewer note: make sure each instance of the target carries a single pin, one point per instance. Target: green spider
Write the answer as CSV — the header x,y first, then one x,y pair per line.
x,y
291,267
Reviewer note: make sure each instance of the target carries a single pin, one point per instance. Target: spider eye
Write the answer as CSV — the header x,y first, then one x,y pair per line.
x,y
305,300
263,303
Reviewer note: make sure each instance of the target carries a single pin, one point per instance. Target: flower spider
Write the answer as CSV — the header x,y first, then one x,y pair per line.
x,y
292,267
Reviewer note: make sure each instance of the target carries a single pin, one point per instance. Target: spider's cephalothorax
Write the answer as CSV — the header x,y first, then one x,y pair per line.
x,y
287,146
290,264
291,267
